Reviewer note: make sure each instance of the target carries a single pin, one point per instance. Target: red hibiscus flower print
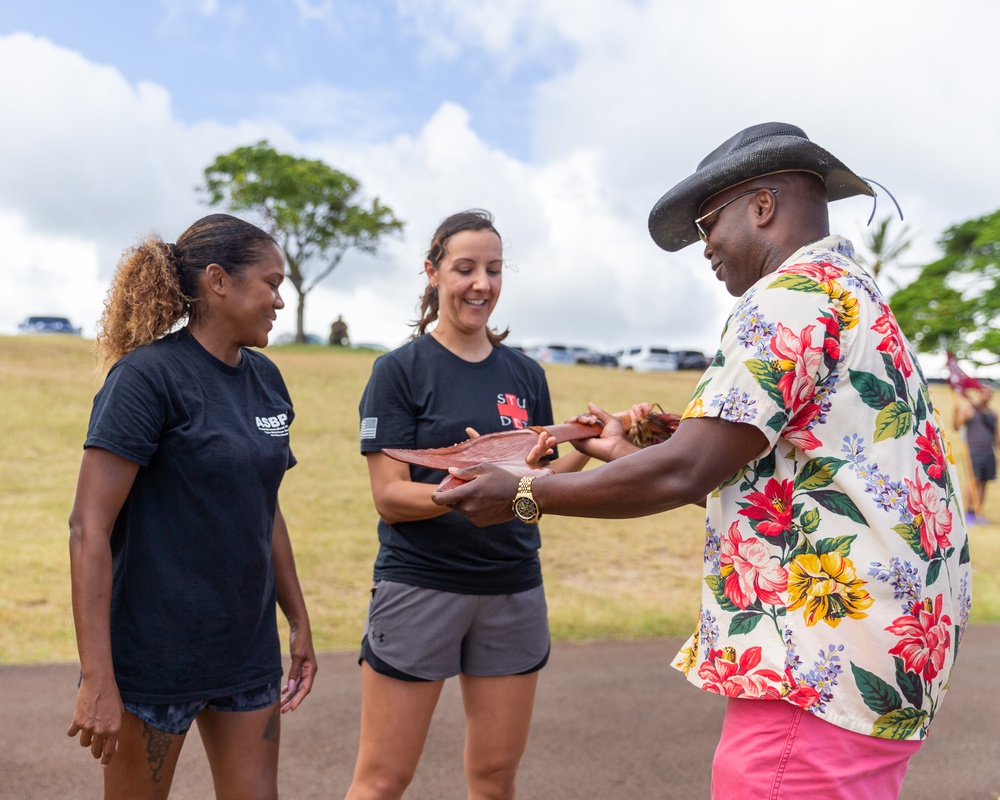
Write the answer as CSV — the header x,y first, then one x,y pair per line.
x,y
749,572
931,514
724,675
926,638
800,361
798,431
801,694
929,452
820,271
831,339
892,343
771,509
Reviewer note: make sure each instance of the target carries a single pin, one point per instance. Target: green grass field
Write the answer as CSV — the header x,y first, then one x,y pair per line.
x,y
604,579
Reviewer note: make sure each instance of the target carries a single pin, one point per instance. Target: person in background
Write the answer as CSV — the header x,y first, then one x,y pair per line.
x,y
978,424
338,332
836,580
450,598
178,547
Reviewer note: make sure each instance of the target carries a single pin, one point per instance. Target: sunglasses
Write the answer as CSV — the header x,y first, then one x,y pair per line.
x,y
702,233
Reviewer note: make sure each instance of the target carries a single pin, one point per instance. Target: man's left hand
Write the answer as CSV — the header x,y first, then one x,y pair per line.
x,y
488,496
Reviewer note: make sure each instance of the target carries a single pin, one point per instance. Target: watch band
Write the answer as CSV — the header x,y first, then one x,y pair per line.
x,y
524,505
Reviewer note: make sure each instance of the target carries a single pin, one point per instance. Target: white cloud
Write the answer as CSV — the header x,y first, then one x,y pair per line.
x,y
95,156
48,275
314,12
92,159
515,31
578,271
178,15
319,109
899,93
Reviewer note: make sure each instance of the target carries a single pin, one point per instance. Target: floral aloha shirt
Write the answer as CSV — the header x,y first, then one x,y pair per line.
x,y
836,571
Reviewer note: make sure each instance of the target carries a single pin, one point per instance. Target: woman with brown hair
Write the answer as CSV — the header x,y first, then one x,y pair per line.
x,y
450,598
178,547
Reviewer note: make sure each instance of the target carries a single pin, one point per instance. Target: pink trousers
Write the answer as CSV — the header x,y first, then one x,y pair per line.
x,y
773,750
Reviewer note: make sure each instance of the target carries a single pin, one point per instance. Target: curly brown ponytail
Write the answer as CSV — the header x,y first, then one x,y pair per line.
x,y
144,302
156,284
475,219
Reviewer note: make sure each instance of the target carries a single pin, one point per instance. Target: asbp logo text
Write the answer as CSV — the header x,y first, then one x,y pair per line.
x,y
273,426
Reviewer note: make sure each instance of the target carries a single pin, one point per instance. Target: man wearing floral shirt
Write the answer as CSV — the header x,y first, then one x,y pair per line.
x,y
836,574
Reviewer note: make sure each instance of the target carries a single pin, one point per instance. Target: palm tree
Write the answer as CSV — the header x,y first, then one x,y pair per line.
x,y
884,247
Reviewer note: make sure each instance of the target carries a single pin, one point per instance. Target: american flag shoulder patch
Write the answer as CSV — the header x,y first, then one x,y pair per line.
x,y
368,427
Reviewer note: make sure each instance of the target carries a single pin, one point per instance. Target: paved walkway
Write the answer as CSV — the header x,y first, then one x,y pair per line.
x,y
612,720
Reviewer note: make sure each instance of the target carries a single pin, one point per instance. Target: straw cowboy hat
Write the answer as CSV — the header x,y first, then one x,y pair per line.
x,y
756,151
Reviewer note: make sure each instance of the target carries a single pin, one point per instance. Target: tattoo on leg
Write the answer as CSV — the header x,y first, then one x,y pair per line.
x,y
157,748
272,730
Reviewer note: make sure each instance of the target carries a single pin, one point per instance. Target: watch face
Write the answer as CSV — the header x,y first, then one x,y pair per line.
x,y
525,509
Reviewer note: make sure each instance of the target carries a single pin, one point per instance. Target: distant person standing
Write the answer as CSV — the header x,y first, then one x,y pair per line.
x,y
178,547
978,423
338,332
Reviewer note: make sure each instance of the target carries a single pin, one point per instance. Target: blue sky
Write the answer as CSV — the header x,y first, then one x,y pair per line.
x,y
566,118
225,60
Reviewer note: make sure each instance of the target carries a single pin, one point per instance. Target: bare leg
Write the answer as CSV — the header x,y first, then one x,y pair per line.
x,y
242,750
981,500
395,717
143,767
498,716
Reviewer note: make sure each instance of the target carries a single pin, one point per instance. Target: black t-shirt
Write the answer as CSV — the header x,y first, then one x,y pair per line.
x,y
423,395
193,603
980,430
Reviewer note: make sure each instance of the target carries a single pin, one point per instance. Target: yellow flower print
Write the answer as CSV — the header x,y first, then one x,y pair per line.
x,y
688,656
694,409
847,305
828,587
944,437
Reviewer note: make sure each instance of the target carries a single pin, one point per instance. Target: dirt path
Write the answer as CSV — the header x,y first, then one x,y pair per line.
x,y
612,721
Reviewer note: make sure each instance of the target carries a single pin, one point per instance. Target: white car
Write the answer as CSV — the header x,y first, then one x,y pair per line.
x,y
647,358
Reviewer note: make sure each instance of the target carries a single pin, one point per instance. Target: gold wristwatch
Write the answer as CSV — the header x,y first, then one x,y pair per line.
x,y
524,505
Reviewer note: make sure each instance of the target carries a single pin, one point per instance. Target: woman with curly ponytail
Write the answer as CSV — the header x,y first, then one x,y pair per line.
x,y
449,598
178,547
157,284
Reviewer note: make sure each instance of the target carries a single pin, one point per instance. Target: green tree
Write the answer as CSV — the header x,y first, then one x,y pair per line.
x,y
955,301
310,208
884,247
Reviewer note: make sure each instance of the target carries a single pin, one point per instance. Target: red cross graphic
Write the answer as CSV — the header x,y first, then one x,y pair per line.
x,y
510,408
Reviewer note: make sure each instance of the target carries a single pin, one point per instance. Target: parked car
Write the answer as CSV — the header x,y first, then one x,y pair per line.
x,y
588,355
646,358
691,359
373,346
289,338
552,354
49,325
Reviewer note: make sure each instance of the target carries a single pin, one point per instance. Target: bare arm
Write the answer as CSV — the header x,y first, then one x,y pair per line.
x,y
691,464
397,498
302,671
963,412
571,461
102,487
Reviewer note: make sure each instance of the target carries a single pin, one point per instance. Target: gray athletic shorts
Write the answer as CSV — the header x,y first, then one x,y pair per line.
x,y
984,465
424,634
